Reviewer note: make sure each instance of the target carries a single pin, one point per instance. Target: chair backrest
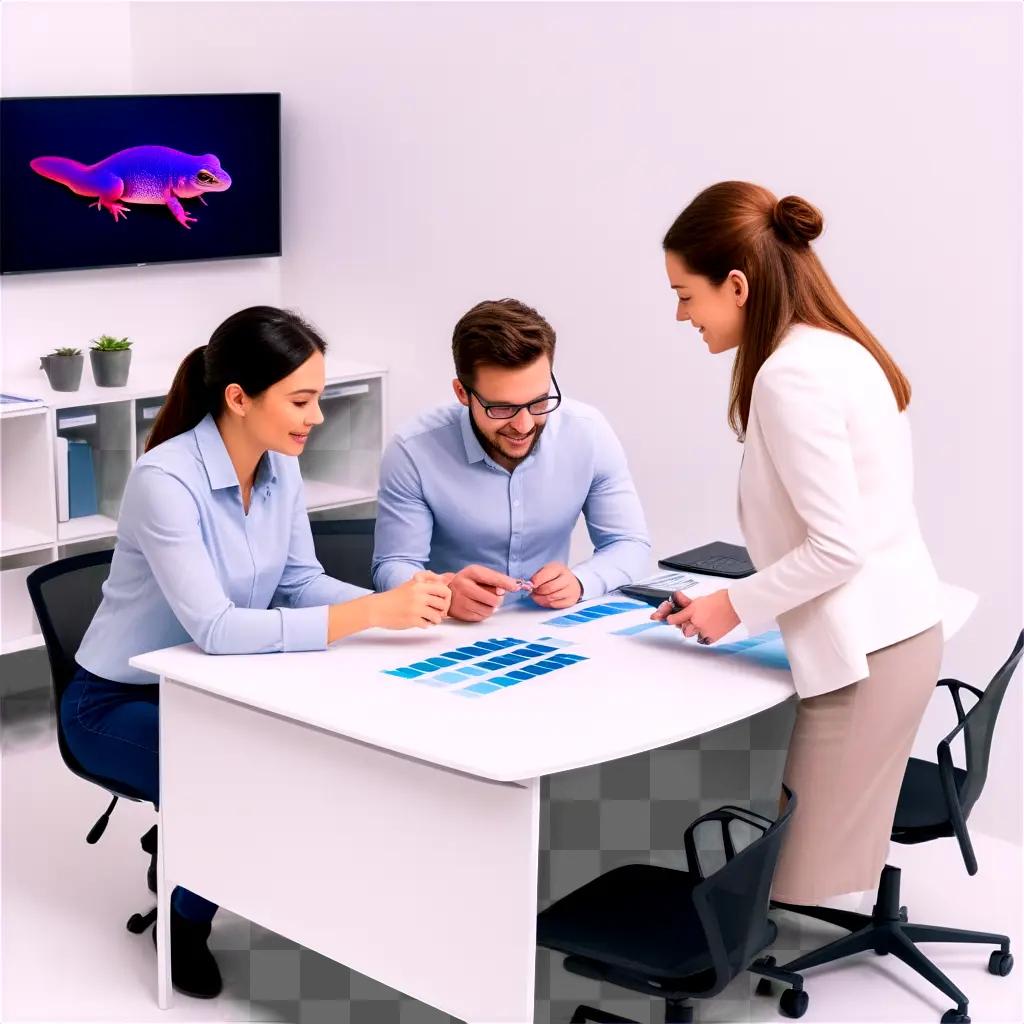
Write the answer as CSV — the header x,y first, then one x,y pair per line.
x,y
979,725
65,595
732,903
344,547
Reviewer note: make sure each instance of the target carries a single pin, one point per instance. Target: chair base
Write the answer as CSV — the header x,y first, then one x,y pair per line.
x,y
793,1002
889,930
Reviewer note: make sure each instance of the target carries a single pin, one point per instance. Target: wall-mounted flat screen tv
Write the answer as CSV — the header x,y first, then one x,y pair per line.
x,y
110,181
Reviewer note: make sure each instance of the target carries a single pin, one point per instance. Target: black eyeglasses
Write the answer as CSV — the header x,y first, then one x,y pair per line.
x,y
538,407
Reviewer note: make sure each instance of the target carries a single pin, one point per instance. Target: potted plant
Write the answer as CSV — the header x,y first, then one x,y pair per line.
x,y
110,358
63,368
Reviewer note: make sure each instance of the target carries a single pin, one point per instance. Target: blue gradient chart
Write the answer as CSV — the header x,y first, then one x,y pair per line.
x,y
594,611
764,649
490,665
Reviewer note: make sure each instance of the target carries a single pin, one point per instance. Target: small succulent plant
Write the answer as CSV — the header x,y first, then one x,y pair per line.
x,y
108,343
67,352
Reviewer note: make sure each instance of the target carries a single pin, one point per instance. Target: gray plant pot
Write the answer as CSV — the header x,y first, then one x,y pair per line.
x,y
64,372
110,369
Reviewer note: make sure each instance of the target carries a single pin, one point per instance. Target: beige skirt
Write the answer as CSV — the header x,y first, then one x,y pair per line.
x,y
847,757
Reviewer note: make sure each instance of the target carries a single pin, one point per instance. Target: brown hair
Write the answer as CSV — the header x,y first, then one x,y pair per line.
x,y
500,332
735,225
254,348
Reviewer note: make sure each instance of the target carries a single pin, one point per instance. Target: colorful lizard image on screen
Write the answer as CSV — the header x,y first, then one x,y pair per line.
x,y
149,175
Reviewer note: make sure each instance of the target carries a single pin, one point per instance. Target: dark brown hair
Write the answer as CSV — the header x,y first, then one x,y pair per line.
x,y
254,348
500,332
735,225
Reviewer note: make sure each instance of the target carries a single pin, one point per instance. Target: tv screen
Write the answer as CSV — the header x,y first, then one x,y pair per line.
x,y
109,181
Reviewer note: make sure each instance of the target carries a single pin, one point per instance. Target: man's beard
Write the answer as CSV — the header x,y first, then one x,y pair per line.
x,y
494,449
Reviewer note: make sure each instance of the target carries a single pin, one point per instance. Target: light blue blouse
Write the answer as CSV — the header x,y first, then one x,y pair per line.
x,y
189,564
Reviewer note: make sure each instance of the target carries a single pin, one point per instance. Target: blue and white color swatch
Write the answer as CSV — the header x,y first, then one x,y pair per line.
x,y
490,665
594,611
764,649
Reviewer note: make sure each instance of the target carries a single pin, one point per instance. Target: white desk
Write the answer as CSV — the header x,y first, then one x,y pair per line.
x,y
394,827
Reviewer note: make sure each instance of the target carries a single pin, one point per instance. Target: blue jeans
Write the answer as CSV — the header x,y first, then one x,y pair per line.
x,y
113,730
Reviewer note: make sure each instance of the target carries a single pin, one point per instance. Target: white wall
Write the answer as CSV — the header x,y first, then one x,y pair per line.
x,y
52,49
438,154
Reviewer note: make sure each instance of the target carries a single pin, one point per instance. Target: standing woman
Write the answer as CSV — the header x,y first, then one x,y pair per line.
x,y
214,545
826,507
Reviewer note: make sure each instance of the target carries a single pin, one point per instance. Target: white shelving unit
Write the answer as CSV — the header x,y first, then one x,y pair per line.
x,y
340,467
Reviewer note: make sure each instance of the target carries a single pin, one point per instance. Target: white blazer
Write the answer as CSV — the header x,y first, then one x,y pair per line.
x,y
826,507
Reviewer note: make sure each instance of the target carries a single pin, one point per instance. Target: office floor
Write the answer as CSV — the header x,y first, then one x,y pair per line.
x,y
67,955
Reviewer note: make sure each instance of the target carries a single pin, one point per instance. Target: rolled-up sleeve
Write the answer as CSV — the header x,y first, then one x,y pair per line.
x,y
166,528
615,520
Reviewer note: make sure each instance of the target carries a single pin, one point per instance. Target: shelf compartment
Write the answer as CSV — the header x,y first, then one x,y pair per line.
x,y
26,483
342,455
106,428
19,629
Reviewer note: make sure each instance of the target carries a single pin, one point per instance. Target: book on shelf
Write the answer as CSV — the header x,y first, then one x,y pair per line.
x,y
76,492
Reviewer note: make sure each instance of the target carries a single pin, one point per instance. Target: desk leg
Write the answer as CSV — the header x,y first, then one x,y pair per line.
x,y
163,912
420,877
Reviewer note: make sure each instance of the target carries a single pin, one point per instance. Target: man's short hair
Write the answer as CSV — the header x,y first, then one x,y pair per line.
x,y
500,332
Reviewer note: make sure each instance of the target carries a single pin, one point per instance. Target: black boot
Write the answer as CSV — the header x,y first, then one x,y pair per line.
x,y
193,968
148,843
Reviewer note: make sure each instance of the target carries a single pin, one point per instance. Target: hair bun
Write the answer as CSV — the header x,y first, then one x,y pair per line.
x,y
797,222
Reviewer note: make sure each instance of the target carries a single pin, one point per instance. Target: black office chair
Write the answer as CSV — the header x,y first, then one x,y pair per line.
x,y
344,547
677,935
65,595
935,800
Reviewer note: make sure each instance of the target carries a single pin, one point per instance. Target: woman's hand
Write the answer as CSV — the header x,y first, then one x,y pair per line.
x,y
709,617
422,601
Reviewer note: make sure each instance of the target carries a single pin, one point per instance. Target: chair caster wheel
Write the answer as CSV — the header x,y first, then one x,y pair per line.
x,y
1000,963
955,1017
793,1003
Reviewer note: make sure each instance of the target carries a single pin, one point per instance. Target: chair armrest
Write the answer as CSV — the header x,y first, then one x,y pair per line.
x,y
955,686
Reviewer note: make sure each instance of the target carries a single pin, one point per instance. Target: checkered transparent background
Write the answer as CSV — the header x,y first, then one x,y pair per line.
x,y
629,811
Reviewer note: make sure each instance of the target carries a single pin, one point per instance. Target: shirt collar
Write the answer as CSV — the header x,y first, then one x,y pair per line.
x,y
219,468
474,450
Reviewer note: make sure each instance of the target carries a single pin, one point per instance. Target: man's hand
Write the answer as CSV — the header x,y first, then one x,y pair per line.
x,y
555,586
477,592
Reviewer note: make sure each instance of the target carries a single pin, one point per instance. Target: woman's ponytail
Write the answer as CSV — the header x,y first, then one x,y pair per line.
x,y
187,402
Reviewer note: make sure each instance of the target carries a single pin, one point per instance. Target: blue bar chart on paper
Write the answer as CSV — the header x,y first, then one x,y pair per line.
x,y
491,665
594,611
764,649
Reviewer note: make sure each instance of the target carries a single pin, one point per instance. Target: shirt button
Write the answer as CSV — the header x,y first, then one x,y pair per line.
x,y
515,504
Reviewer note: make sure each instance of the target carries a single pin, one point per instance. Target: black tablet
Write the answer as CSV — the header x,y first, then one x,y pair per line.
x,y
716,559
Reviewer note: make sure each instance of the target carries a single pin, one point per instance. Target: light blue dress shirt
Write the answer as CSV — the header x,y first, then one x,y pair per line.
x,y
189,564
444,503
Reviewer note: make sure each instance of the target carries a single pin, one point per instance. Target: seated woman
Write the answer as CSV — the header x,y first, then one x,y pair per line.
x,y
214,546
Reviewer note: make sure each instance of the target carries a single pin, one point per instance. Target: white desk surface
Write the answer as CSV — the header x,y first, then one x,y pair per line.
x,y
632,694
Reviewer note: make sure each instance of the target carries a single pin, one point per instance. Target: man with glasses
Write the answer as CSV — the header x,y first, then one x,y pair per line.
x,y
487,491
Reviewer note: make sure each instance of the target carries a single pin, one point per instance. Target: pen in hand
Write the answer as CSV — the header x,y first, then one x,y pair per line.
x,y
674,607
